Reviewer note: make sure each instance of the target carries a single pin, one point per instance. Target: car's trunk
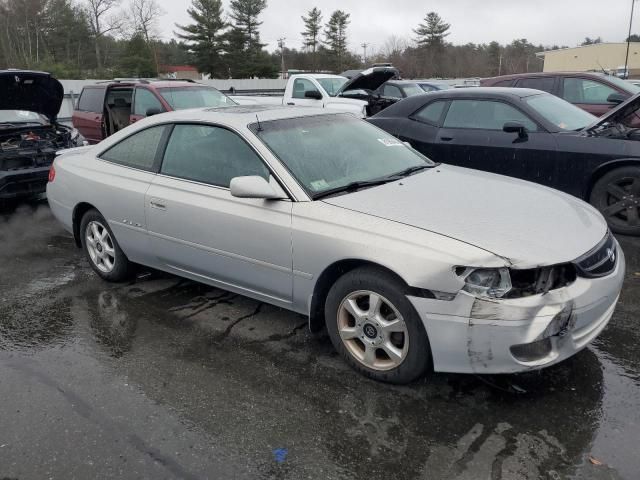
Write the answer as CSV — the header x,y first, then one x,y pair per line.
x,y
30,147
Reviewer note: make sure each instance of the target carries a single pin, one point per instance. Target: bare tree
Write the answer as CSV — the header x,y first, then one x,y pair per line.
x,y
145,14
102,20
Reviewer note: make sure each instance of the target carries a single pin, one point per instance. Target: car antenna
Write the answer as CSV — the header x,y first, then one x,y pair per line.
x,y
603,70
259,126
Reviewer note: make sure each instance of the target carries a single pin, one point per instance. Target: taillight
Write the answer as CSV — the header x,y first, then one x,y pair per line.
x,y
52,173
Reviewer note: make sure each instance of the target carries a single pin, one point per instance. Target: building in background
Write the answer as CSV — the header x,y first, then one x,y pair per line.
x,y
597,57
186,72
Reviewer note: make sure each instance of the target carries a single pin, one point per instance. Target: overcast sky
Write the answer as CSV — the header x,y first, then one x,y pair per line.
x,y
547,22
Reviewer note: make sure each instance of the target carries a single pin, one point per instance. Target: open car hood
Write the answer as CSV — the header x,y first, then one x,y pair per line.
x,y
617,114
370,79
33,91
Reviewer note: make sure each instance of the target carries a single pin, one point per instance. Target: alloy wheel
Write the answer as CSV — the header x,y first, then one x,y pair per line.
x,y
100,247
622,203
373,330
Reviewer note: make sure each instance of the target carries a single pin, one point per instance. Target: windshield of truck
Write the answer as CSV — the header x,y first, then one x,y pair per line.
x,y
332,85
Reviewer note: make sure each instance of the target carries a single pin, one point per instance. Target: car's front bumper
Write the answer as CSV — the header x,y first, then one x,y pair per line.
x,y
22,183
473,335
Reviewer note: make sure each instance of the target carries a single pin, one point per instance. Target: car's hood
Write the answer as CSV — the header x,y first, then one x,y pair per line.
x,y
370,79
525,223
617,114
33,91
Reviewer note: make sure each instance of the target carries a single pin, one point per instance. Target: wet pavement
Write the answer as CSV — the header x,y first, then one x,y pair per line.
x,y
166,378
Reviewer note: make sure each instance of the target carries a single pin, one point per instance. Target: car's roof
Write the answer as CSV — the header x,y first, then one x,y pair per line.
x,y
546,74
487,92
148,83
241,115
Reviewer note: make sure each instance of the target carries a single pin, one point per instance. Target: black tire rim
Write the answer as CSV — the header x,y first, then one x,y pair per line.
x,y
621,202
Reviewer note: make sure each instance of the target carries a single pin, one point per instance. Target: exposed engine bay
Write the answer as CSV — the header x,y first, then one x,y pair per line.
x,y
31,147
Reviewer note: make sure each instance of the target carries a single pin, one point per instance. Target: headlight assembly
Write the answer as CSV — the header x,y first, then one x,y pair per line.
x,y
485,282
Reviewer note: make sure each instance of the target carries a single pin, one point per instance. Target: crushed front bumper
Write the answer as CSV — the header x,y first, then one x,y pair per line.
x,y
23,183
473,335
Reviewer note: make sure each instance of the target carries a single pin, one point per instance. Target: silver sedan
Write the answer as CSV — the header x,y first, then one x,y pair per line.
x,y
410,265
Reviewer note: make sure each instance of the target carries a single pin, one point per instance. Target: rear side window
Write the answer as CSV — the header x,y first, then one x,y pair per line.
x,y
145,100
503,83
485,115
210,155
91,100
137,151
431,113
539,83
392,91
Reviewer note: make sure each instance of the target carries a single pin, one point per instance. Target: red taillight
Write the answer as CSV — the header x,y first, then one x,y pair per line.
x,y
52,173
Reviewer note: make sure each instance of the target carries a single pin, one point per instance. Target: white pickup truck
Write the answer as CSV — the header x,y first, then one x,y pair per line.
x,y
353,95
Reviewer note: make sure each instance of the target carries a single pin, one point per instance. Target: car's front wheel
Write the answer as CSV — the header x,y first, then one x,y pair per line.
x,y
617,196
102,250
374,326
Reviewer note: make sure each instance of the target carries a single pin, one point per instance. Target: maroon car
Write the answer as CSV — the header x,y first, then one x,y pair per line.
x,y
107,107
596,93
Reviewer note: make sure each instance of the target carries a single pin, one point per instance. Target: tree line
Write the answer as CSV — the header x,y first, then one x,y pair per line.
x,y
121,38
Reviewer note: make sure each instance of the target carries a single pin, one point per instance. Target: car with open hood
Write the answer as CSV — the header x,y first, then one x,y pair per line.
x,y
410,265
356,95
532,135
30,135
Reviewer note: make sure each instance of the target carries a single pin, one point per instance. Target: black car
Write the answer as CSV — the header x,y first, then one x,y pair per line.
x,y
532,135
30,136
408,88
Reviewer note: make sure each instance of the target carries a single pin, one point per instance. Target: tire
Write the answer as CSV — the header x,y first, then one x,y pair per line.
x,y
105,255
401,351
617,196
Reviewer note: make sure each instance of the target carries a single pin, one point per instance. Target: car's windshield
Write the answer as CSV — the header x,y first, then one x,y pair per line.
x,y
561,113
332,85
326,152
21,116
181,98
411,90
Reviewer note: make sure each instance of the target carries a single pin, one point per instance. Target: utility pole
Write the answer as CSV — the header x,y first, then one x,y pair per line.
x,y
500,65
281,45
364,58
626,61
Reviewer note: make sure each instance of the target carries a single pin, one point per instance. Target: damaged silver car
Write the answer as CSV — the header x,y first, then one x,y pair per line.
x,y
30,136
410,265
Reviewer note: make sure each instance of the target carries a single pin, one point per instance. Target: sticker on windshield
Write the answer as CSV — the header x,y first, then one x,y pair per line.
x,y
319,185
390,142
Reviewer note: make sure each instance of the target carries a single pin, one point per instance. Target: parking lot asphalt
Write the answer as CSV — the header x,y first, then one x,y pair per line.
x,y
166,378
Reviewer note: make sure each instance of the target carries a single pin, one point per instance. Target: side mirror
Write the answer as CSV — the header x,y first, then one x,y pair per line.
x,y
254,187
313,94
515,127
616,98
153,111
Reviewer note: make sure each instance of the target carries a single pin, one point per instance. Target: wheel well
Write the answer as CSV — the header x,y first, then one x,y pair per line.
x,y
606,168
78,213
334,271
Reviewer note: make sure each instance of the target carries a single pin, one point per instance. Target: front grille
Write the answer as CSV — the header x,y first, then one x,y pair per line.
x,y
600,261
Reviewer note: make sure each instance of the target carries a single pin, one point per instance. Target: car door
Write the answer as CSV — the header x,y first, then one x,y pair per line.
x,y
199,229
421,130
589,94
144,101
88,117
124,173
298,95
472,136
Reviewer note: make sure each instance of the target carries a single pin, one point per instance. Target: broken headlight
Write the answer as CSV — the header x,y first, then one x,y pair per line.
x,y
485,282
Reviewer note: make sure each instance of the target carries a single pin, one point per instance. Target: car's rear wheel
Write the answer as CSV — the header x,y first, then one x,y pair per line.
x,y
101,248
617,196
374,326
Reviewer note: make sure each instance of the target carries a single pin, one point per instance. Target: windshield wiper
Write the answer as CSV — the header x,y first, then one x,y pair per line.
x,y
353,187
408,171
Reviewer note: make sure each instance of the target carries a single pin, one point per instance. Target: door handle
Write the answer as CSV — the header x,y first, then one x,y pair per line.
x,y
157,205
446,139
290,103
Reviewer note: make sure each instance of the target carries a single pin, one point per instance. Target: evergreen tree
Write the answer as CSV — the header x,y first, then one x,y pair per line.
x,y
311,34
246,57
336,37
206,37
432,32
137,60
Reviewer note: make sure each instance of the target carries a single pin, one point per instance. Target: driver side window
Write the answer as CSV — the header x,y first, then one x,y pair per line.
x,y
301,86
485,115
